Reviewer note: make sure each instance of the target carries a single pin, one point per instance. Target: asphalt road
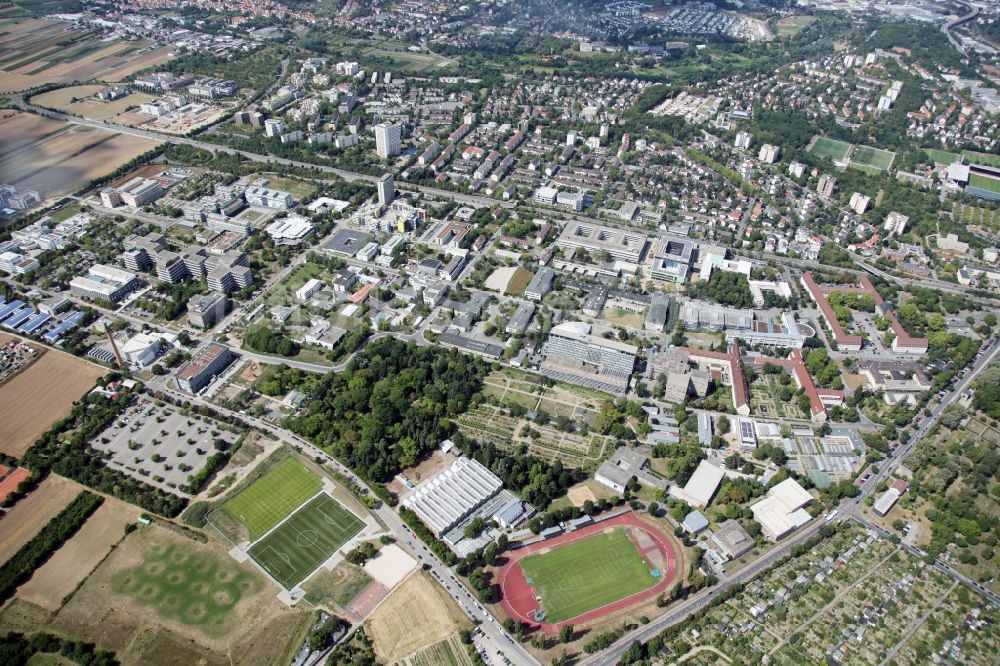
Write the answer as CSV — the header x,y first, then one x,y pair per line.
x,y
405,538
847,510
20,103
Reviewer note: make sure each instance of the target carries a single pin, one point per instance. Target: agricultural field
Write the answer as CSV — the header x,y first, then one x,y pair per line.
x,y
57,158
270,498
448,652
584,575
161,579
80,101
872,157
832,149
404,59
36,52
72,563
307,539
417,614
40,395
976,215
31,514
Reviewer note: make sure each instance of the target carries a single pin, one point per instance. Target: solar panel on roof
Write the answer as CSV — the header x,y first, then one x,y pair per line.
x,y
9,309
35,323
19,317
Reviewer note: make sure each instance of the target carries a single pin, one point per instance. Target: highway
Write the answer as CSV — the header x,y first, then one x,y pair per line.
x,y
847,510
947,27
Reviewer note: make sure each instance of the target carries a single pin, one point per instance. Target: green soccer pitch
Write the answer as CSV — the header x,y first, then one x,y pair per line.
x,y
308,538
584,575
873,157
269,499
830,148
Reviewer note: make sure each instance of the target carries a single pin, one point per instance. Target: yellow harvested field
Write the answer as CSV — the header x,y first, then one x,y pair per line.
x,y
416,614
72,563
39,396
41,51
88,106
56,158
32,513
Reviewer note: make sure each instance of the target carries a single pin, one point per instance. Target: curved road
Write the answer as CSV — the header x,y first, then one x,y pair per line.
x,y
947,27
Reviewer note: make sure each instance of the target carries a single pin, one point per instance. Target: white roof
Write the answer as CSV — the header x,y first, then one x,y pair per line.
x,y
701,486
781,510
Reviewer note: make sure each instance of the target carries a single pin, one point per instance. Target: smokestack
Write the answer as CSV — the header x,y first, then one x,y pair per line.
x,y
114,348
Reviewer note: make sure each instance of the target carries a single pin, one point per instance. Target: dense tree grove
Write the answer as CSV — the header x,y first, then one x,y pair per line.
x,y
732,289
268,341
19,649
537,481
391,406
63,449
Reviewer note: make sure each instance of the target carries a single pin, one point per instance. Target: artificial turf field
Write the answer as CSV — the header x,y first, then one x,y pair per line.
x,y
308,538
584,575
267,501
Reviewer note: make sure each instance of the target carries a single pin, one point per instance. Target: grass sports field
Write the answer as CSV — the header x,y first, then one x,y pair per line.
x,y
267,501
830,148
987,159
942,156
984,182
873,157
304,541
584,575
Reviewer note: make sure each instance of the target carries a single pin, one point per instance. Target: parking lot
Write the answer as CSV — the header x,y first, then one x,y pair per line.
x,y
159,445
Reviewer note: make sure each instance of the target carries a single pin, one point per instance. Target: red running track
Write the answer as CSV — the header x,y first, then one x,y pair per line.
x,y
519,598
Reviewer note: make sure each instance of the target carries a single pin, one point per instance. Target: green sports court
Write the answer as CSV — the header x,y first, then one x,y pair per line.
x,y
293,550
269,499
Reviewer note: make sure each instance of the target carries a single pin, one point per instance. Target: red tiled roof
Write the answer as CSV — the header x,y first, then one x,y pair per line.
x,y
361,294
739,380
819,296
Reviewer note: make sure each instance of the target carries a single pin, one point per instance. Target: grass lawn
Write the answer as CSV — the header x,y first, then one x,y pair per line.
x,y
867,168
584,575
793,25
830,148
189,586
941,156
272,497
518,282
984,182
306,540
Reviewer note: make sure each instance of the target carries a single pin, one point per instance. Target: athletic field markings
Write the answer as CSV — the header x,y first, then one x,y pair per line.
x,y
305,539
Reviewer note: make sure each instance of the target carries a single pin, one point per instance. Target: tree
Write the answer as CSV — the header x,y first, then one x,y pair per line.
x,y
566,633
474,527
723,425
